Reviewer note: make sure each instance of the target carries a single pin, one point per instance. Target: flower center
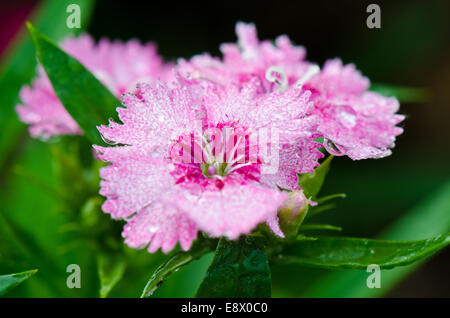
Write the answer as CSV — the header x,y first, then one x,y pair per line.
x,y
224,154
217,151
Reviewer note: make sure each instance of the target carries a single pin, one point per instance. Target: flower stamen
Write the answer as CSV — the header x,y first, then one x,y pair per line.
x,y
312,70
277,75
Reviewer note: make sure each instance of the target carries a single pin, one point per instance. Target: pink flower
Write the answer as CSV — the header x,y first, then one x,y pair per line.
x,y
193,158
354,121
277,66
119,66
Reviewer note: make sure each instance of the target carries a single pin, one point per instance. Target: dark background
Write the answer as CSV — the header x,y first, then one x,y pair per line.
x,y
412,48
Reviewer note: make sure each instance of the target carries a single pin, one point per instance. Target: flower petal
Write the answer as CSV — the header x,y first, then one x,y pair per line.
x,y
234,210
160,225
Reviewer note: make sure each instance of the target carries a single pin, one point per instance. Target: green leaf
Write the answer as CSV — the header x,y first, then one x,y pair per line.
x,y
310,226
8,282
173,264
81,93
428,219
402,93
336,252
239,269
331,197
311,183
314,210
110,271
21,171
20,64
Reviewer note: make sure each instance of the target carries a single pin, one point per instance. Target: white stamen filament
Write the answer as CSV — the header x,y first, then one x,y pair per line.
x,y
207,152
216,161
233,151
233,168
271,77
312,70
204,154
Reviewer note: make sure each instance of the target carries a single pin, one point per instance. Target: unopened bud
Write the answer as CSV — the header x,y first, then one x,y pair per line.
x,y
292,213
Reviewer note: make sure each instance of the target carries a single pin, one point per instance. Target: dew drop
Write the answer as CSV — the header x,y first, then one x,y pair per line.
x,y
153,229
332,148
109,142
347,119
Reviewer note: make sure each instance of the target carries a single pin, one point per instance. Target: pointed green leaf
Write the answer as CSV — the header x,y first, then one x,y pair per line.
x,y
427,219
84,97
239,269
311,183
337,252
331,197
310,226
173,264
110,271
18,64
402,93
8,282
314,210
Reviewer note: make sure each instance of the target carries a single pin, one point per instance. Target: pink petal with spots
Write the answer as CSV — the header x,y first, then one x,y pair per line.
x,y
160,225
133,181
234,210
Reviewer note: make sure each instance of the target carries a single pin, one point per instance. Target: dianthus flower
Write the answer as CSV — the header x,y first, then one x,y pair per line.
x,y
277,64
119,66
353,121
197,156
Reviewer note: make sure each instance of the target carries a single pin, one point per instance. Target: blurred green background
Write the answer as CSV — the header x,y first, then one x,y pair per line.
x,y
404,196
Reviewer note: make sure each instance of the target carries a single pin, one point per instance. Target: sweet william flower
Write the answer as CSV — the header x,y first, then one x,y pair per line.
x,y
191,159
277,64
118,65
354,121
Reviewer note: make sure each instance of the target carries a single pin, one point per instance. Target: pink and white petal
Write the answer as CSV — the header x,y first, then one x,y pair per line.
x,y
247,40
299,157
288,112
362,126
289,51
273,224
234,210
155,115
160,225
133,181
336,78
42,110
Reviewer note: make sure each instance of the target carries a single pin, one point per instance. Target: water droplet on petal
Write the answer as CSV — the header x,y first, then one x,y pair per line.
x,y
109,142
347,118
153,229
332,148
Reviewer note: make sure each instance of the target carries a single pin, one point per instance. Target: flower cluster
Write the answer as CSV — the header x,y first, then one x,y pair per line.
x,y
119,66
211,144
